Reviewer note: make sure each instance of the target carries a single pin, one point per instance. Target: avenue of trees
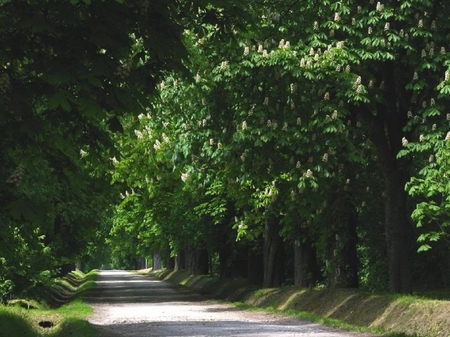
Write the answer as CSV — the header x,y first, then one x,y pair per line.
x,y
288,142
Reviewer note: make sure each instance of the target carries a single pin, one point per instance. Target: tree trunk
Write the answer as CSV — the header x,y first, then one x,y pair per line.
x,y
255,268
201,262
180,260
273,254
387,134
141,263
170,263
343,257
399,233
305,263
157,260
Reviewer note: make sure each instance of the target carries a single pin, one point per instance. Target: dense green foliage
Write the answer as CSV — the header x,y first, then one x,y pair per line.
x,y
278,149
69,70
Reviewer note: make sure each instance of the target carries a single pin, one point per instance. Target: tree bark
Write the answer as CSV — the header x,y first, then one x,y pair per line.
x,y
305,263
342,252
201,262
255,268
273,254
387,133
157,260
399,233
180,260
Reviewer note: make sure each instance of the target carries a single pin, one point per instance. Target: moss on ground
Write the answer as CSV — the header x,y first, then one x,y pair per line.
x,y
390,314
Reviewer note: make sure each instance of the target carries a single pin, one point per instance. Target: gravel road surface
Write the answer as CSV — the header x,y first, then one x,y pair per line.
x,y
139,306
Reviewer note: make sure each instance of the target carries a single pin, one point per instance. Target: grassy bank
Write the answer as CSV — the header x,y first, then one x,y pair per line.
x,y
64,315
391,315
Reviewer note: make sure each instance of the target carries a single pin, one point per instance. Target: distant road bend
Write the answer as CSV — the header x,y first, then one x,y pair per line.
x,y
132,305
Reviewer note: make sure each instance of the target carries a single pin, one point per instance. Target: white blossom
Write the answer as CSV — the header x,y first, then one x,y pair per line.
x,y
334,114
184,176
157,145
293,87
404,141
246,50
309,173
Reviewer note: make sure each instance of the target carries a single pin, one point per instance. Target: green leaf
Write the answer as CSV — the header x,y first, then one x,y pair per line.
x,y
424,248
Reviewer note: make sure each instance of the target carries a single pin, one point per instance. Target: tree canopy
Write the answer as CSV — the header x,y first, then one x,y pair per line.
x,y
279,141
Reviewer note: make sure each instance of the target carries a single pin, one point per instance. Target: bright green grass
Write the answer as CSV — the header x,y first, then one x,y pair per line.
x,y
13,323
67,320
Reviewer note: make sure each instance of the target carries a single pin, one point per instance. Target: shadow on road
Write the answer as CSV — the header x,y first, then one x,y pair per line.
x,y
217,328
124,287
132,305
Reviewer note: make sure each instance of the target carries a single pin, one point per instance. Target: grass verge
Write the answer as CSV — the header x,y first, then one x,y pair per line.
x,y
65,317
350,309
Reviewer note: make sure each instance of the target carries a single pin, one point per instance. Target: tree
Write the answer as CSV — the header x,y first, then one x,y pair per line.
x,y
69,71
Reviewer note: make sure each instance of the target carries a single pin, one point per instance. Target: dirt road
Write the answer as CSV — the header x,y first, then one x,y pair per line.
x,y
139,306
